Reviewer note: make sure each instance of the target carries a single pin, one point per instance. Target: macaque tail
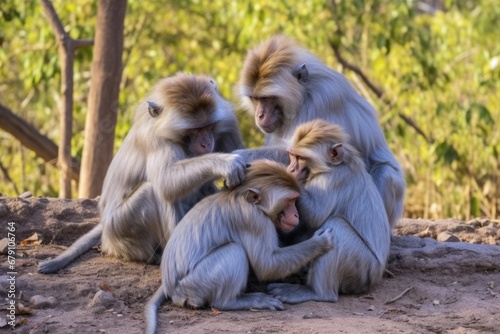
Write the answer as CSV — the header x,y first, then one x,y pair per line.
x,y
82,245
151,310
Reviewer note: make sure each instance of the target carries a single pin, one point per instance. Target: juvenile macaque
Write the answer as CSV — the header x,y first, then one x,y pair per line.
x,y
282,86
337,193
207,259
162,169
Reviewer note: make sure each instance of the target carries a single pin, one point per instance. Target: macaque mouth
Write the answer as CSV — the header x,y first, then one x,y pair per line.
x,y
268,129
283,224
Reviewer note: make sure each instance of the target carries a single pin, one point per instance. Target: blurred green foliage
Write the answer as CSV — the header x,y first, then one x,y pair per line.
x,y
440,67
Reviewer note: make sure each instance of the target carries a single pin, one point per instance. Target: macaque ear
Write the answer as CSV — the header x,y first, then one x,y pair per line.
x,y
336,154
213,83
301,73
253,196
154,109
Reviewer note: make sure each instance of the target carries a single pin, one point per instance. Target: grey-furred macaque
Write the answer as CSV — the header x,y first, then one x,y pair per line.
x,y
282,85
338,193
164,166
208,257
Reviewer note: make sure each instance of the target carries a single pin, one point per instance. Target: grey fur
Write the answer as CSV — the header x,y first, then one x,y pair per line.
x,y
207,260
346,200
328,95
152,181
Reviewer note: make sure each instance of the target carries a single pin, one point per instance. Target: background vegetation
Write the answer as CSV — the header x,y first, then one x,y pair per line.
x,y
435,66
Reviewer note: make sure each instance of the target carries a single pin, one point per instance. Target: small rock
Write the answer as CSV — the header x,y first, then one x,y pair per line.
x,y
4,246
484,221
447,237
474,222
104,300
311,316
371,308
435,302
26,194
39,301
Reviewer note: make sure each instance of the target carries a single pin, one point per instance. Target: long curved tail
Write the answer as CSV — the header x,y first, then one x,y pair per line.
x,y
151,310
83,244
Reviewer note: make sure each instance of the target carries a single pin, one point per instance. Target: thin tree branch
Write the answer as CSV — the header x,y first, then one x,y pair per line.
x,y
398,296
376,90
80,43
67,46
30,138
54,21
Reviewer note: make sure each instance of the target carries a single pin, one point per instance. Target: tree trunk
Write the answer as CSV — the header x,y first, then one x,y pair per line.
x,y
103,96
67,47
66,53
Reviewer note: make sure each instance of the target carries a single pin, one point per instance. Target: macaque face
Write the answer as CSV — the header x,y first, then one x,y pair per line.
x,y
288,218
298,167
268,113
201,140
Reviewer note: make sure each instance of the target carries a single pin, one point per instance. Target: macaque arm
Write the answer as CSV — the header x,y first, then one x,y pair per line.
x,y
180,178
270,262
314,210
276,153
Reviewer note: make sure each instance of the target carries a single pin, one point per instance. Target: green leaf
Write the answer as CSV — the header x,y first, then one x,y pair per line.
x,y
446,152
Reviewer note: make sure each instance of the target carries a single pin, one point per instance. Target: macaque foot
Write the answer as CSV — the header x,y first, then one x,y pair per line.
x,y
294,293
258,300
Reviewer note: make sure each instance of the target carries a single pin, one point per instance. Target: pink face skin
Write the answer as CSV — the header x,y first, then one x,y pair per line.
x,y
268,113
298,167
288,219
201,140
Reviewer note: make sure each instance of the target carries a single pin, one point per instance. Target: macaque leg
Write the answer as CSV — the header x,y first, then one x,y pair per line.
x,y
391,186
347,268
219,280
133,230
323,277
322,283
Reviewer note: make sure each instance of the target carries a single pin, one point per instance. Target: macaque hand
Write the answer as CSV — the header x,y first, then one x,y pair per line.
x,y
233,170
326,235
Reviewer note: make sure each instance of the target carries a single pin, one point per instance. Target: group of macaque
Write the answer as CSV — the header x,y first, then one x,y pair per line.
x,y
159,202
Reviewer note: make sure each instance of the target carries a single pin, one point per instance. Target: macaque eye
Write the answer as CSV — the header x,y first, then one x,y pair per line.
x,y
301,158
209,127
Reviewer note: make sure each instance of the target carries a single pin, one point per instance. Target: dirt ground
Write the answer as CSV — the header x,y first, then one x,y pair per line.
x,y
454,287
